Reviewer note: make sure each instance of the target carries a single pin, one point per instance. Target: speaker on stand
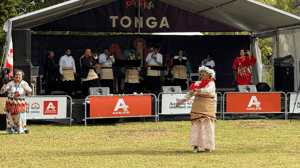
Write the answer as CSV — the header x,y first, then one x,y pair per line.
x,y
22,51
284,78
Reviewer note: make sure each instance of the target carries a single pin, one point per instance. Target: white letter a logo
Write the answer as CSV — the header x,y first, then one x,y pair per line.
x,y
121,104
254,101
51,106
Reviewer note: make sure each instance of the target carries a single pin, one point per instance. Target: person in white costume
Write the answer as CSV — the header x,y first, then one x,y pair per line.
x,y
153,76
67,72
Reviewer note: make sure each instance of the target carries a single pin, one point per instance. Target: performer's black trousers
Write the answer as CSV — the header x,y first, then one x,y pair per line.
x,y
69,87
132,87
108,83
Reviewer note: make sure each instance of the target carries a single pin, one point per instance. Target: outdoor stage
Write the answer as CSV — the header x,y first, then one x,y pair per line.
x,y
161,16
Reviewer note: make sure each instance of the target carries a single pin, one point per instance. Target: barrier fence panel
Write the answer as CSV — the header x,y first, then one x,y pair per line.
x,y
167,104
120,106
255,103
220,105
293,104
48,107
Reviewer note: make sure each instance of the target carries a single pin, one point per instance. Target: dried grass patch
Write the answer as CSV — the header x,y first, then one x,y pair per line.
x,y
261,124
160,132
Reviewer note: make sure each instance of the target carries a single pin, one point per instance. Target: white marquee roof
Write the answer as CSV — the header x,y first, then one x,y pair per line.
x,y
246,15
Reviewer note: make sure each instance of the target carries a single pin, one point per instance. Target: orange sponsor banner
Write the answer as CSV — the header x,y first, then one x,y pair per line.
x,y
116,106
253,102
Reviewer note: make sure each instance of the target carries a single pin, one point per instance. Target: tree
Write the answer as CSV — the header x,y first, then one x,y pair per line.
x,y
266,45
8,9
12,8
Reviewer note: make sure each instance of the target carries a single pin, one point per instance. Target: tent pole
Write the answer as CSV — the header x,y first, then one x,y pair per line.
x,y
276,56
277,44
139,16
296,65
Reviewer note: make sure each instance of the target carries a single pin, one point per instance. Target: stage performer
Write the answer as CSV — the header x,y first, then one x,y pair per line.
x,y
16,105
67,72
203,112
5,78
88,74
132,76
51,75
209,62
168,72
241,67
179,71
153,76
106,61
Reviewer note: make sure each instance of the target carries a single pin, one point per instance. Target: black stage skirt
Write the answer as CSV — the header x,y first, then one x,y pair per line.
x,y
88,84
181,83
154,83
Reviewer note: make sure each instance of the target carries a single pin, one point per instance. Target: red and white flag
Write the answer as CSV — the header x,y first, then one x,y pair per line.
x,y
10,59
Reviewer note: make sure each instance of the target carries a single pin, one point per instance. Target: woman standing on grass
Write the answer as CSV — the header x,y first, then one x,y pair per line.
x,y
16,105
203,116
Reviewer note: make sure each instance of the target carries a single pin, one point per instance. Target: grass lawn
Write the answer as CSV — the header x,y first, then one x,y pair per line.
x,y
239,143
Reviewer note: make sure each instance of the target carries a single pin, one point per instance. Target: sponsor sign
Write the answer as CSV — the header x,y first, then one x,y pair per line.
x,y
50,108
292,103
116,106
253,102
169,104
35,108
46,107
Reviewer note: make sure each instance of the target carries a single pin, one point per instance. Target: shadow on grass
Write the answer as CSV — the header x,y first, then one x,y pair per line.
x,y
5,133
135,152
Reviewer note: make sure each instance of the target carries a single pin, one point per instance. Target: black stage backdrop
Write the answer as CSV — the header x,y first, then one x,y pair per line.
x,y
224,49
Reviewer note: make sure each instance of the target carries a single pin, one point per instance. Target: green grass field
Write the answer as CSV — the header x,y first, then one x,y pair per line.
x,y
239,143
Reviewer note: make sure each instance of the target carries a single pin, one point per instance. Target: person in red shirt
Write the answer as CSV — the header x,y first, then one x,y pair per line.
x,y
241,67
